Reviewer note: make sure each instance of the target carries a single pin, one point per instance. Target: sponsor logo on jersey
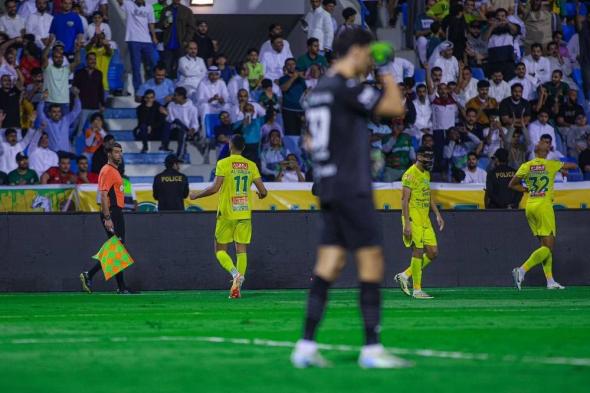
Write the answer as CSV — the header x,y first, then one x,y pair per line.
x,y
537,168
239,165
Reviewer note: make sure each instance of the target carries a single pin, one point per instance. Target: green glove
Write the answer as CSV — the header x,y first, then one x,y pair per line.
x,y
382,53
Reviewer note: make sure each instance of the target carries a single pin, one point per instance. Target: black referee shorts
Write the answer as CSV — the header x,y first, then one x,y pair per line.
x,y
350,223
118,224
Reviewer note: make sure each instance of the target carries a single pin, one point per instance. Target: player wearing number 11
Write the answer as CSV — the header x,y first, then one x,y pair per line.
x,y
234,176
539,175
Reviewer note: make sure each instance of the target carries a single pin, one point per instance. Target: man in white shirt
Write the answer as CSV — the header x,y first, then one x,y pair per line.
x,y
38,24
473,173
423,110
140,36
11,23
236,111
558,62
40,157
274,30
212,96
191,69
9,147
274,60
183,117
466,87
538,128
537,65
238,82
447,63
401,68
27,8
499,88
318,24
529,85
89,7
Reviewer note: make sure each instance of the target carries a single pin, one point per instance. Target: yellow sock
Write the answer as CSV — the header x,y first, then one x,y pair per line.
x,y
408,271
538,256
417,273
226,262
242,263
425,261
548,267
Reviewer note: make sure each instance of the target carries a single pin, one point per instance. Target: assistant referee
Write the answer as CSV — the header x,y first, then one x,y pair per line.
x,y
112,202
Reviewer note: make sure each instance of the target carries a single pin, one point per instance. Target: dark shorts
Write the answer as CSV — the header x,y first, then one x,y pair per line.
x,y
118,224
350,223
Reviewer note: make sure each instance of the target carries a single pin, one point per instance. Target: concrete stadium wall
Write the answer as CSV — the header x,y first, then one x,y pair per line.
x,y
46,252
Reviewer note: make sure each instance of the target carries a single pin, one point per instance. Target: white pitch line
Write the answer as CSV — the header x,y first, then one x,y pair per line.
x,y
427,353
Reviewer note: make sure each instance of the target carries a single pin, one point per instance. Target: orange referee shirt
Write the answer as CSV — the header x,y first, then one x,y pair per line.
x,y
110,180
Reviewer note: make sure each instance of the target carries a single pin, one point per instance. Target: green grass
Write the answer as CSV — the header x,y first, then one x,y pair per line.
x,y
117,346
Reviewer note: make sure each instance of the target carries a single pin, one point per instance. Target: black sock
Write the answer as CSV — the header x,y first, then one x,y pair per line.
x,y
120,281
94,270
316,304
370,300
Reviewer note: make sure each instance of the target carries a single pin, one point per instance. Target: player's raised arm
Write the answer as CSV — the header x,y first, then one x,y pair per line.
x,y
211,190
262,191
391,101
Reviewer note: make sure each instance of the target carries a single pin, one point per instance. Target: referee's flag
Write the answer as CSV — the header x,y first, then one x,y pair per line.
x,y
113,257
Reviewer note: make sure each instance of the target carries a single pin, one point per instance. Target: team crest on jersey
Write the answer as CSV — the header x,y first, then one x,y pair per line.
x,y
239,165
537,168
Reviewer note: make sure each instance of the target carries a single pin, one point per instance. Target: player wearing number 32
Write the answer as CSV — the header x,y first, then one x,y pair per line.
x,y
338,110
538,176
234,176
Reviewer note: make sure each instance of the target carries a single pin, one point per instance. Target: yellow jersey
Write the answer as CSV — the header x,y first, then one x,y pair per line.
x,y
539,176
234,198
419,182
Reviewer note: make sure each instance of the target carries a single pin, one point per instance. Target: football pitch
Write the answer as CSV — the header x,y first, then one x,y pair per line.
x,y
465,340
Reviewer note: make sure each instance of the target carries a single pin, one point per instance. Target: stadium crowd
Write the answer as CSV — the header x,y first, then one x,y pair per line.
x,y
493,77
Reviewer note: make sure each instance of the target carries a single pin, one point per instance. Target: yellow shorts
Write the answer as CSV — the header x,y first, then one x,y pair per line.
x,y
422,234
541,220
229,231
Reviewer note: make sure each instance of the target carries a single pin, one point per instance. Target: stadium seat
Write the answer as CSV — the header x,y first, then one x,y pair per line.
x,y
577,77
420,75
405,14
211,121
478,73
568,32
583,11
570,10
415,143
483,163
115,72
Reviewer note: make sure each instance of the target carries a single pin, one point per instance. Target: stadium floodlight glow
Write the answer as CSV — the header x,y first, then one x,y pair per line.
x,y
202,2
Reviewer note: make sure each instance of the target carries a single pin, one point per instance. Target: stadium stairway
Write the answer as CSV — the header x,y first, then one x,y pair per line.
x,y
121,119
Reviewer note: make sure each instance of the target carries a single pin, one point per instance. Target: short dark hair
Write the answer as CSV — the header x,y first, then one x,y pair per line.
x,y
348,12
52,106
95,116
238,142
326,2
253,50
312,40
37,71
272,26
276,37
435,69
350,38
9,131
290,59
536,45
63,157
108,138
483,83
501,10
426,136
181,91
521,64
472,154
90,54
514,86
558,71
470,110
149,91
435,27
160,67
547,136
81,158
266,83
